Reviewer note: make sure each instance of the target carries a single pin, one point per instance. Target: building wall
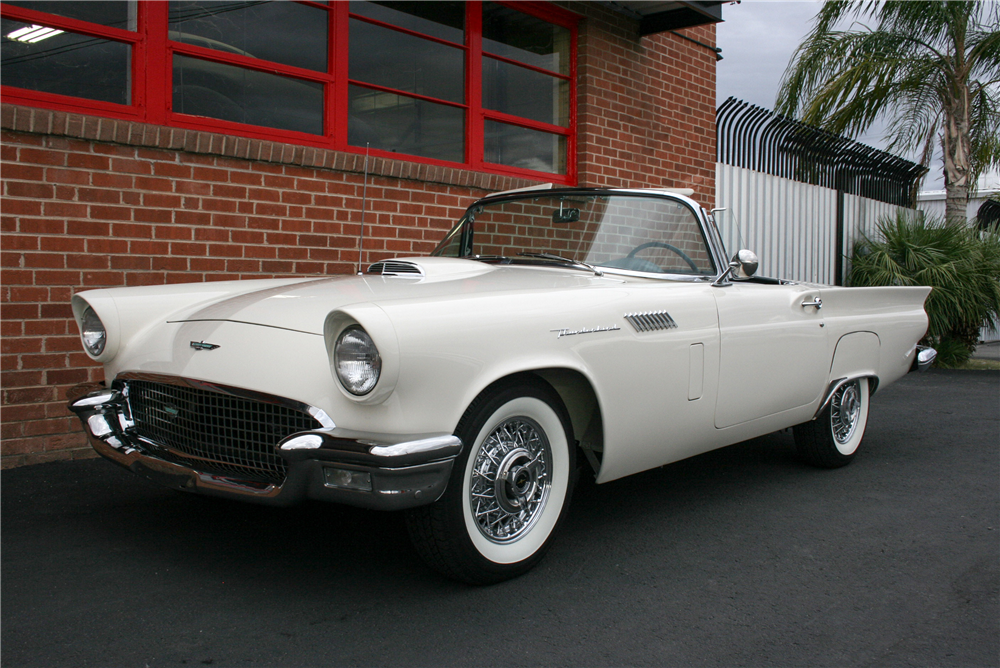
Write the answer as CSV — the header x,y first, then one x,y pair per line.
x,y
647,107
91,202
932,202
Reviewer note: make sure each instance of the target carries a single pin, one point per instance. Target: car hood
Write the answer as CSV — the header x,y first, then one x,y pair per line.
x,y
304,305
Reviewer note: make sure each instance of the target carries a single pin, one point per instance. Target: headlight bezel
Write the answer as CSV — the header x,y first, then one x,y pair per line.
x,y
357,361
106,311
377,324
93,332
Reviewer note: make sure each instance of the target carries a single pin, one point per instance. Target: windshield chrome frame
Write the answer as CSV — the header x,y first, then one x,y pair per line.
x,y
710,234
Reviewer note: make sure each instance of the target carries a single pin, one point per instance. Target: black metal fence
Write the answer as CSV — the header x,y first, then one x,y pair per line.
x,y
759,139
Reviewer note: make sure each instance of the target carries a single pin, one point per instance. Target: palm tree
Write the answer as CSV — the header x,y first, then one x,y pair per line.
x,y
930,68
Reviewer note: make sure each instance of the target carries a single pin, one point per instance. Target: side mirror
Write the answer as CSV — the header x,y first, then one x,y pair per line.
x,y
744,264
741,267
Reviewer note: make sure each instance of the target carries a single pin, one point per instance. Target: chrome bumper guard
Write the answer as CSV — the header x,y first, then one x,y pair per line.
x,y
923,360
391,473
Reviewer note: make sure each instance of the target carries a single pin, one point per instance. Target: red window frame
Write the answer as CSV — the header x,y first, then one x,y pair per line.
x,y
152,72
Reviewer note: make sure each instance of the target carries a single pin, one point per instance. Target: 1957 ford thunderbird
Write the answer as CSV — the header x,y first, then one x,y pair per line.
x,y
550,331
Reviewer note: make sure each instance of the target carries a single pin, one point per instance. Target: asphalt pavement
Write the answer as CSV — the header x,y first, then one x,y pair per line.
x,y
740,557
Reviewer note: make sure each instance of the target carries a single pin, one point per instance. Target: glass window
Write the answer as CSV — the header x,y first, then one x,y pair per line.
x,y
282,32
65,63
522,92
526,39
226,92
111,14
392,59
649,234
405,124
444,20
407,63
525,148
401,69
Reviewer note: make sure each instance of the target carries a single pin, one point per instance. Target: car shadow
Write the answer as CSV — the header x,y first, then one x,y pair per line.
x,y
317,547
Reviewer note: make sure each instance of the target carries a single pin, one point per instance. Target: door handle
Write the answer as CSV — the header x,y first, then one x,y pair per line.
x,y
817,302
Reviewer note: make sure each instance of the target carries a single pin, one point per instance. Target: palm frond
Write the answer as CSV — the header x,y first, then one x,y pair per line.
x,y
961,265
906,62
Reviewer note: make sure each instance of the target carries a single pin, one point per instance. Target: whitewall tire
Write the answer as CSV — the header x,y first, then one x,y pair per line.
x,y
508,491
833,438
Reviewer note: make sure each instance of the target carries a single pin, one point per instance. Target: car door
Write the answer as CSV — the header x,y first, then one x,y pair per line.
x,y
772,350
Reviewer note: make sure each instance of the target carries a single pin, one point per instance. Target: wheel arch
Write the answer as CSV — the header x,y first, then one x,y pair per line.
x,y
578,397
856,356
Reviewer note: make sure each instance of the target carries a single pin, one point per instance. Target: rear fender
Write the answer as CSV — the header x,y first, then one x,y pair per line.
x,y
856,356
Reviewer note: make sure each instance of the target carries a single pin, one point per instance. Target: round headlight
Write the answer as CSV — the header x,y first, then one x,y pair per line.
x,y
357,361
92,331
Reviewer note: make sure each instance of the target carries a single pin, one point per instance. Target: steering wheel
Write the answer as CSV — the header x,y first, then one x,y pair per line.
x,y
660,244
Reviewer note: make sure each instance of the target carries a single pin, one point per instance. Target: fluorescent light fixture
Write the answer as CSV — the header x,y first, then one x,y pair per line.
x,y
32,34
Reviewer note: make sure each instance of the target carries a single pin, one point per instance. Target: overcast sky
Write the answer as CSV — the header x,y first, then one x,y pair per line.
x,y
758,38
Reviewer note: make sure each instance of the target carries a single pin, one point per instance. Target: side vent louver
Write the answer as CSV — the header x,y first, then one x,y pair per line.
x,y
650,321
396,268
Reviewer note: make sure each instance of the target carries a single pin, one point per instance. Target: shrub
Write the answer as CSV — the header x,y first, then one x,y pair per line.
x,y
960,263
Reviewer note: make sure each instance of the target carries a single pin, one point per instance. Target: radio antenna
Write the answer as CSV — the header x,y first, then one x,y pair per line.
x,y
364,201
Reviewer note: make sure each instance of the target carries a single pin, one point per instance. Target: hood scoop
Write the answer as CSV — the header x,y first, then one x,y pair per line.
x,y
396,268
428,268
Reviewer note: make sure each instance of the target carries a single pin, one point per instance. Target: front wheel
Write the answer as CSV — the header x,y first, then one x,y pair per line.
x,y
509,488
832,439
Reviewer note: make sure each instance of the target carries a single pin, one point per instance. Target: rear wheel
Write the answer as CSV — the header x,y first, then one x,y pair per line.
x,y
508,491
832,439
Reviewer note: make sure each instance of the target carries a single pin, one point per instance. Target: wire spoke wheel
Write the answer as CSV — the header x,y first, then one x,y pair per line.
x,y
511,480
832,439
508,491
845,411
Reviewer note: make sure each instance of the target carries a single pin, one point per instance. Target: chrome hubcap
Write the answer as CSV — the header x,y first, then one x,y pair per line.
x,y
845,411
511,480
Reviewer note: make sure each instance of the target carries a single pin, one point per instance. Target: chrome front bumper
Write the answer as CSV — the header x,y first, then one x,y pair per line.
x,y
328,464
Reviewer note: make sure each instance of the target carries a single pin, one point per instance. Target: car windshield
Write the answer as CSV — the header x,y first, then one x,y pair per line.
x,y
632,232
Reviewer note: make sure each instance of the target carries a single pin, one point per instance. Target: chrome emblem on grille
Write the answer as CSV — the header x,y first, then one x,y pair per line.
x,y
201,345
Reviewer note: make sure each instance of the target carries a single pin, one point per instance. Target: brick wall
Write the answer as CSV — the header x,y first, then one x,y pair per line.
x,y
91,202
647,106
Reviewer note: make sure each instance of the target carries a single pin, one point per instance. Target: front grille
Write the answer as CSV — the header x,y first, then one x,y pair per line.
x,y
215,432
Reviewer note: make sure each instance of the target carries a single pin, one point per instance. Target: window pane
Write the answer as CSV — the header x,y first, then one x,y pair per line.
x,y
65,63
406,125
385,57
648,234
112,14
229,93
511,34
528,149
444,20
282,32
527,93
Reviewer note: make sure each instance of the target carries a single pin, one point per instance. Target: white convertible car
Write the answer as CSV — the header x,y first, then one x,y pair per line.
x,y
550,331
